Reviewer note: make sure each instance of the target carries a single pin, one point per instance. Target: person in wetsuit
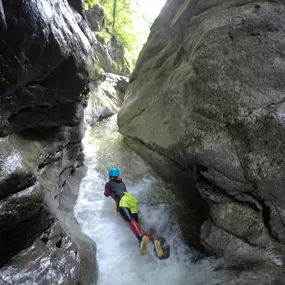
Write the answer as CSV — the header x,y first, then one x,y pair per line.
x,y
127,206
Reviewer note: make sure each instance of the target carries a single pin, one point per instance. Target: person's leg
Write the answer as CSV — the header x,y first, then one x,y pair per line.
x,y
126,215
131,204
157,247
125,210
134,212
135,216
135,228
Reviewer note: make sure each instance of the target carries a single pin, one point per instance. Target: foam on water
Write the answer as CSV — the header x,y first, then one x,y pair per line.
x,y
117,249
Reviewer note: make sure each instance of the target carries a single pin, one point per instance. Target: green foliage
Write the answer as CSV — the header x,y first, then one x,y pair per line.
x,y
87,4
103,36
130,28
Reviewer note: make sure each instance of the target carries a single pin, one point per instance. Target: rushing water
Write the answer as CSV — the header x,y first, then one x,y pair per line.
x,y
117,248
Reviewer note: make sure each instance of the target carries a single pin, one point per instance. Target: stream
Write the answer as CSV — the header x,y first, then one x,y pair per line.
x,y
118,256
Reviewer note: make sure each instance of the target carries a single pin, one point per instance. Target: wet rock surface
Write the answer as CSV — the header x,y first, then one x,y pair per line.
x,y
105,98
14,175
52,258
55,159
39,63
46,62
206,99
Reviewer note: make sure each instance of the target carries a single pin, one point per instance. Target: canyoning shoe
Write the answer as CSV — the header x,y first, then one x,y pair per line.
x,y
143,245
157,248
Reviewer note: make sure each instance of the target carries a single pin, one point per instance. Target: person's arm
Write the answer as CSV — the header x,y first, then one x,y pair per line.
x,y
107,192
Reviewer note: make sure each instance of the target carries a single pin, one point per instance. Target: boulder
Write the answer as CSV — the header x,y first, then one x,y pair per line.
x,y
40,259
207,95
106,98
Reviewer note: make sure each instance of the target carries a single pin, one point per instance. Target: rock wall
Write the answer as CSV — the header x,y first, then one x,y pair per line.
x,y
105,98
46,62
207,98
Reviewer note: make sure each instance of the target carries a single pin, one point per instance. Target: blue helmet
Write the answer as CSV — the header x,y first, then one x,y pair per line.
x,y
114,172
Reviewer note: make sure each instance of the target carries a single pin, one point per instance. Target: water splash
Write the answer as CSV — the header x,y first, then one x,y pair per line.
x,y
117,249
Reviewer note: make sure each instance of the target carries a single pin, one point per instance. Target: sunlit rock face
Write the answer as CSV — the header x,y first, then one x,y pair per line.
x,y
207,98
46,61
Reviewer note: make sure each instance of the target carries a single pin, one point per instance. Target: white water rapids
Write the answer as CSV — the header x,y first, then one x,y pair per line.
x,y
118,255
